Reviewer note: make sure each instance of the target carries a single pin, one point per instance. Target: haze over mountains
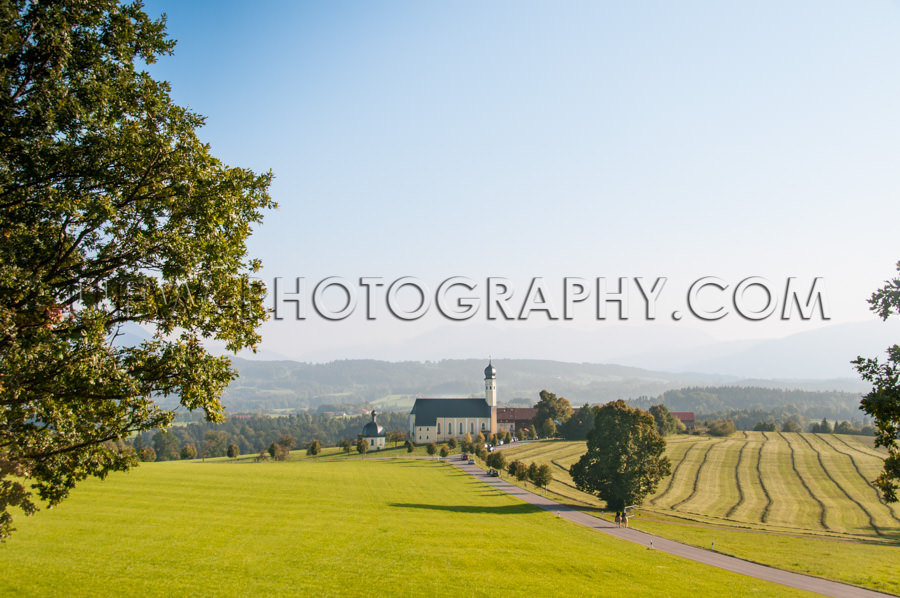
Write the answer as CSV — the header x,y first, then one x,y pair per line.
x,y
821,354
620,363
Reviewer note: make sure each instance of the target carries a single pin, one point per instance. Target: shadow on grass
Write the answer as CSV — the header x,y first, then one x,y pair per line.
x,y
520,509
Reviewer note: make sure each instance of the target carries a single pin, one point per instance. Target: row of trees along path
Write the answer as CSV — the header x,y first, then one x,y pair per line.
x,y
708,557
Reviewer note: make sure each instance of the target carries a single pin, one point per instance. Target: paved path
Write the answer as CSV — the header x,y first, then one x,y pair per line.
x,y
794,580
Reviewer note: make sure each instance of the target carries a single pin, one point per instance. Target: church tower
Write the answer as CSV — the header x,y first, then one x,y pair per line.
x,y
490,385
490,393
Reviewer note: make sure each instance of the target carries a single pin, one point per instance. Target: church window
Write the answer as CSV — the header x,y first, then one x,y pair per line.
x,y
461,428
482,426
439,429
472,427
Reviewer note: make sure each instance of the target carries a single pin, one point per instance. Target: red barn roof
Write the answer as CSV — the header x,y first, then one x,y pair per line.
x,y
685,416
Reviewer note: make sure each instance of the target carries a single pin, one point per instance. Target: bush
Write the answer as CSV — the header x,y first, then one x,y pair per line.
x,y
147,454
188,451
496,460
764,427
722,427
314,448
790,425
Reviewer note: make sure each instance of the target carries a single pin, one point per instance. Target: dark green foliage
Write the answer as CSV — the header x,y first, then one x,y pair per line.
x,y
624,461
215,444
844,427
452,443
362,446
346,445
791,425
578,426
431,449
277,452
445,451
254,433
497,460
548,428
112,213
188,451
518,470
823,427
722,427
666,423
147,454
765,427
410,446
553,408
883,401
542,475
313,448
234,451
747,405
166,445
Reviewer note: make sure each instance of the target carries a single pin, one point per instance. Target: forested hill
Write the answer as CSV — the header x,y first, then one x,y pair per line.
x,y
276,385
759,403
279,386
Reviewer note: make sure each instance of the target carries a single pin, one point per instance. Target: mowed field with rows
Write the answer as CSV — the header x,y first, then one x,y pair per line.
x,y
817,482
802,502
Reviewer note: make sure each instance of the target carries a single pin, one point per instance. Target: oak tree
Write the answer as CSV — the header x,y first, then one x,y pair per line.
x,y
314,448
883,401
234,451
556,409
362,446
542,476
624,461
112,211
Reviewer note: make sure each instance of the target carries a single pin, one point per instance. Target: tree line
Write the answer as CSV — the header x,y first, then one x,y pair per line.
x,y
251,434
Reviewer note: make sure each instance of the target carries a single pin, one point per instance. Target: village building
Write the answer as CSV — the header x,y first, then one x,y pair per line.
x,y
437,420
515,419
373,432
686,417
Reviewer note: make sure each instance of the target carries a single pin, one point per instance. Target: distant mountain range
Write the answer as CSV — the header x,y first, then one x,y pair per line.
x,y
824,353
815,361
273,386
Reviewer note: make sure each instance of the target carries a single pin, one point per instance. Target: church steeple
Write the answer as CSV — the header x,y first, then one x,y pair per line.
x,y
490,384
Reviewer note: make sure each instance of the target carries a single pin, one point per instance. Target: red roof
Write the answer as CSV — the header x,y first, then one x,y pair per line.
x,y
515,414
685,416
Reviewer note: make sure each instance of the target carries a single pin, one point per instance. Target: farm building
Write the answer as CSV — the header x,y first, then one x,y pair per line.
x,y
436,420
514,419
686,417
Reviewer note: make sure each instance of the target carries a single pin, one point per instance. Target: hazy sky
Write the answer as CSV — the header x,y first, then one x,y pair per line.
x,y
554,139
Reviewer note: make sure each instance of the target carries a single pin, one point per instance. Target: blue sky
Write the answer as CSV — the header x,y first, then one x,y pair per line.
x,y
526,139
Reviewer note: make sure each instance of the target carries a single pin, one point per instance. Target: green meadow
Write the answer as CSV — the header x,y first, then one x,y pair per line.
x,y
803,502
328,527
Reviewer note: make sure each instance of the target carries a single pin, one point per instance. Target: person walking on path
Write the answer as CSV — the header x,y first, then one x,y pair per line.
x,y
618,519
625,519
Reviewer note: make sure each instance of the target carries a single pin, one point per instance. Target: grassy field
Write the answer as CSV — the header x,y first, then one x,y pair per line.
x,y
802,502
328,527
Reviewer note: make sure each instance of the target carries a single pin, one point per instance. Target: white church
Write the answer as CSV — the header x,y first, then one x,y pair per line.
x,y
437,420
